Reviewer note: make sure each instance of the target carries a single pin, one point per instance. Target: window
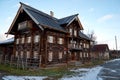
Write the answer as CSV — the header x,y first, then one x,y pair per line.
x,y
21,54
70,30
81,54
60,55
35,54
75,32
23,40
29,39
87,55
17,41
50,39
87,46
60,40
84,54
28,54
50,56
36,38
16,54
22,25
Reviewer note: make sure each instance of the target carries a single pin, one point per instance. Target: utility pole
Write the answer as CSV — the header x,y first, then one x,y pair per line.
x,y
116,42
116,45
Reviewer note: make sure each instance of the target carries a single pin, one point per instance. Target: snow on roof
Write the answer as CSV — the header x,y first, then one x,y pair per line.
x,y
11,40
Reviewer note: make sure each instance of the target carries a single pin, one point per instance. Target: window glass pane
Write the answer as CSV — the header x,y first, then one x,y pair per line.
x,y
37,38
21,54
50,39
23,40
60,40
50,56
75,32
28,54
17,41
28,39
60,55
16,54
70,30
35,54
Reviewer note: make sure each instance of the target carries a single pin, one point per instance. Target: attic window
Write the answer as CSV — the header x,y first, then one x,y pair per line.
x,y
24,25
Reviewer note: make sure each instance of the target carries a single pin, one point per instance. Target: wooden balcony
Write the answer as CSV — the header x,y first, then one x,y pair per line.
x,y
74,46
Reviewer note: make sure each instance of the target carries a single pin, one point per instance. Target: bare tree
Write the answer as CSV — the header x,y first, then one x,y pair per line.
x,y
92,36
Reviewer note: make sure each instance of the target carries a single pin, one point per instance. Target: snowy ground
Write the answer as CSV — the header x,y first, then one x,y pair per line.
x,y
85,74
81,74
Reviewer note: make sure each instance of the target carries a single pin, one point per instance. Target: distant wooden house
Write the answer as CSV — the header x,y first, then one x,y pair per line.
x,y
114,54
100,51
6,50
41,39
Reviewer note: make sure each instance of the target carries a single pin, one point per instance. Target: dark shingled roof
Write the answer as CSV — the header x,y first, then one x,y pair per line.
x,y
100,47
42,18
66,20
82,35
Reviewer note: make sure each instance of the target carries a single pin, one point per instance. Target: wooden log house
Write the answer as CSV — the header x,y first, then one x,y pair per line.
x,y
41,39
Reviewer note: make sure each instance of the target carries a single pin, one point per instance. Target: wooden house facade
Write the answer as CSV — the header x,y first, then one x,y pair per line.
x,y
6,50
100,51
41,39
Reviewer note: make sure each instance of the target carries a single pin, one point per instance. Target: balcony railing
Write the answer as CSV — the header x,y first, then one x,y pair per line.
x,y
74,46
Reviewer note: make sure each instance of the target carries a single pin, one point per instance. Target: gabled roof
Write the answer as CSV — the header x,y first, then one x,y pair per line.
x,y
82,35
44,20
41,18
8,41
100,47
67,20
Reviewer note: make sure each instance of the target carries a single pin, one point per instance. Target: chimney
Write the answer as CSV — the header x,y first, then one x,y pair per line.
x,y
51,13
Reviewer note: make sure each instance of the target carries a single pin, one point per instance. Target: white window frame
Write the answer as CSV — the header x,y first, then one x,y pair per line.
x,y
36,38
50,56
21,54
75,32
28,54
35,55
81,54
17,41
22,40
29,39
16,54
60,41
70,30
60,55
50,39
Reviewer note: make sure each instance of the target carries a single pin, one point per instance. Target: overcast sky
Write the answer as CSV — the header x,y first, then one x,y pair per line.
x,y
100,16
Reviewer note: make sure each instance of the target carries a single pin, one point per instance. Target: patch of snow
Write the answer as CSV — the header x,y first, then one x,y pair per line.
x,y
92,74
113,60
23,78
81,70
